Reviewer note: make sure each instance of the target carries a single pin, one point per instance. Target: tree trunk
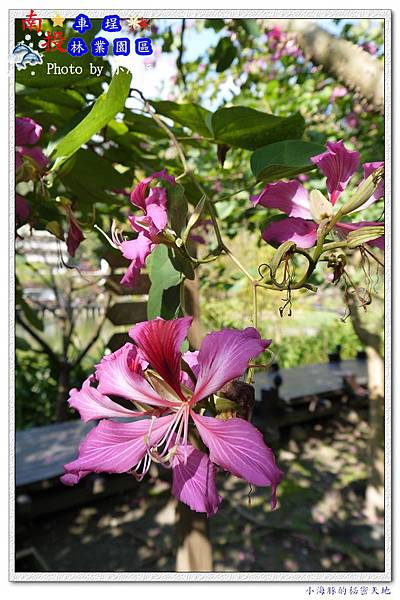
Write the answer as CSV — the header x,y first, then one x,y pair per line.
x,y
348,63
193,308
62,392
194,551
374,500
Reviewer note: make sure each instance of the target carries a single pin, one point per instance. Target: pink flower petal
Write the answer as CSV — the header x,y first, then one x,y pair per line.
x,y
75,235
22,210
345,228
137,252
160,342
18,159
190,359
338,164
223,356
289,196
37,155
156,208
194,482
27,131
116,377
139,193
91,404
73,478
117,447
238,447
156,217
138,249
300,231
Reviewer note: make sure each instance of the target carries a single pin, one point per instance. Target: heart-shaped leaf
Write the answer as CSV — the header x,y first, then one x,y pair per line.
x,y
247,128
189,115
284,159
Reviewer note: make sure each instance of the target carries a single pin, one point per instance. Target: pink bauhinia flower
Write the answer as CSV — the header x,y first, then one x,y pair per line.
x,y
27,134
153,203
338,164
165,389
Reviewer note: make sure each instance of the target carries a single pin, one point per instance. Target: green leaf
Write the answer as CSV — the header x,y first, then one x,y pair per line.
x,y
170,302
69,98
182,263
216,24
21,344
163,276
284,159
142,124
250,26
104,109
247,128
91,176
177,207
224,54
55,228
189,115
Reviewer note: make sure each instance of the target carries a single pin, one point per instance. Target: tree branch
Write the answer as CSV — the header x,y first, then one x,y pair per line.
x,y
179,63
94,338
44,345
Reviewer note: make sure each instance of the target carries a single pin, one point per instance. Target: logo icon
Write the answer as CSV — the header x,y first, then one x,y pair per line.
x,y
24,55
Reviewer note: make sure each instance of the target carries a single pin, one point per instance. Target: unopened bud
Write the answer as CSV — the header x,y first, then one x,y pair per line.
x,y
363,192
167,237
320,207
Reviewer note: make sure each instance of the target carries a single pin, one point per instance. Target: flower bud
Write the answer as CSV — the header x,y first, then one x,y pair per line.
x,y
364,235
320,207
363,192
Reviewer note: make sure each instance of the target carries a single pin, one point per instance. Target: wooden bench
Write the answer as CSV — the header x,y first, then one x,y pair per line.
x,y
41,453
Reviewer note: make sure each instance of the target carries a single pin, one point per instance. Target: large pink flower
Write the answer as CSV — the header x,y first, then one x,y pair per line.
x,y
153,203
338,164
153,375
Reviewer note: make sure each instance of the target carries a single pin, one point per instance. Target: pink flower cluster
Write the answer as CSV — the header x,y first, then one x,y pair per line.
x,y
152,201
338,164
27,135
